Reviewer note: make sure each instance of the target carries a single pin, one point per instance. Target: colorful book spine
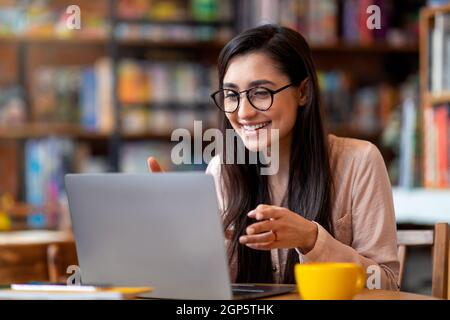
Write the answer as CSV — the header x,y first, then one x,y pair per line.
x,y
105,114
436,145
441,120
45,166
366,35
88,99
34,176
407,145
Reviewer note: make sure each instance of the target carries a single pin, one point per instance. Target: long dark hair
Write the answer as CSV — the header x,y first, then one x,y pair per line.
x,y
309,192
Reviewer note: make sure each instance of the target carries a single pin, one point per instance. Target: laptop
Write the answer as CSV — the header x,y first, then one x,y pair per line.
x,y
161,230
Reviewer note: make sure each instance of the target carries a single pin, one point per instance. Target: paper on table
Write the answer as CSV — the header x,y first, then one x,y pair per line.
x,y
49,292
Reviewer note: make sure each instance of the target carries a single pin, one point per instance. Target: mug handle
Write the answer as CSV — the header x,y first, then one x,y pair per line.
x,y
361,279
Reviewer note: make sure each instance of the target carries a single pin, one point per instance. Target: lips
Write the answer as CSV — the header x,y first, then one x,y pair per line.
x,y
255,127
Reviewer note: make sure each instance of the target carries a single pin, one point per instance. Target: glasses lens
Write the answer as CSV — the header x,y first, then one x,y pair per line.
x,y
261,98
227,100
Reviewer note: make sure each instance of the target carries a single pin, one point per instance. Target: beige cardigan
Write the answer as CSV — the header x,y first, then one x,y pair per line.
x,y
363,213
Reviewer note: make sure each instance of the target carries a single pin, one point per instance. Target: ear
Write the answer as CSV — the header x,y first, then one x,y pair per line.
x,y
303,92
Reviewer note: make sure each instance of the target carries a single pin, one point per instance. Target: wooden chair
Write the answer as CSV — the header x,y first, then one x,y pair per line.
x,y
438,239
59,257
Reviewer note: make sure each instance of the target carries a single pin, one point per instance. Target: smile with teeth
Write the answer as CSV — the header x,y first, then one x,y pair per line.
x,y
254,128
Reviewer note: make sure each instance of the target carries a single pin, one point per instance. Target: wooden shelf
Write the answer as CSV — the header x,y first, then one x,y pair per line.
x,y
52,39
195,23
377,48
341,131
152,135
45,130
204,45
429,12
169,106
103,41
145,135
431,99
33,131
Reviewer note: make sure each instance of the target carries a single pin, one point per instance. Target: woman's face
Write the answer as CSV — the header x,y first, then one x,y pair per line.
x,y
257,69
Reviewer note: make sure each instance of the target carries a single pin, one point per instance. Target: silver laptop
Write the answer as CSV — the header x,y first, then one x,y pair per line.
x,y
161,230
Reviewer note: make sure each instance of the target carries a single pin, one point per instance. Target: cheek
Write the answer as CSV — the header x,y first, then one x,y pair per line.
x,y
285,120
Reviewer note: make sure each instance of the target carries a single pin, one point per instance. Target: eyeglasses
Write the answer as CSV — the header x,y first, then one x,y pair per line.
x,y
260,98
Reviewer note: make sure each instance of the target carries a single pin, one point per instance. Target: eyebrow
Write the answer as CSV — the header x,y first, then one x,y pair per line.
x,y
251,84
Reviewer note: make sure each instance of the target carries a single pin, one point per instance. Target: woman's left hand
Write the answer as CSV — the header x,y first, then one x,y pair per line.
x,y
279,228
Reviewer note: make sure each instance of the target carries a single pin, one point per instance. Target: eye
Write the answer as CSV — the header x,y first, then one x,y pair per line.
x,y
260,93
230,95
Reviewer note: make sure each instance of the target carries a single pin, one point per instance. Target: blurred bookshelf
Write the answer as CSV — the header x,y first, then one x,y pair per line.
x,y
103,98
98,99
435,92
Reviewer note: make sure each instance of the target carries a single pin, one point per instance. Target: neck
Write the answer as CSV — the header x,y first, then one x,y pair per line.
x,y
284,158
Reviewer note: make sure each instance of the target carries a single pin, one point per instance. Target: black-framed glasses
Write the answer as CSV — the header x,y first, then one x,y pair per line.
x,y
261,98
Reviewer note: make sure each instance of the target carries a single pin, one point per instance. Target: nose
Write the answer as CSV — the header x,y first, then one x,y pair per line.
x,y
246,110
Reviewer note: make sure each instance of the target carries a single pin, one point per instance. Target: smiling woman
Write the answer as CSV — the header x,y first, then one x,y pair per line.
x,y
330,200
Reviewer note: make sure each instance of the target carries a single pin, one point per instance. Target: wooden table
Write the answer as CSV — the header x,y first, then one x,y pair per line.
x,y
34,237
37,255
367,294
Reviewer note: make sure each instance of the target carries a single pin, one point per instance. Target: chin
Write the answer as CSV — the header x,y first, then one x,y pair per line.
x,y
255,144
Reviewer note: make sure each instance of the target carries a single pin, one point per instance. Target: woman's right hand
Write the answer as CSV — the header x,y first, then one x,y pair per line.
x,y
153,165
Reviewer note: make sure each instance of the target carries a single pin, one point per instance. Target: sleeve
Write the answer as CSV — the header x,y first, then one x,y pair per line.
x,y
374,244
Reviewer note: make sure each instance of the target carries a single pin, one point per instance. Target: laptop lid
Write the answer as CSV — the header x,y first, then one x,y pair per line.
x,y
158,230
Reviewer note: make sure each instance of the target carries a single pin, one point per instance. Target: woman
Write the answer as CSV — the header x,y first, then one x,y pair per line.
x,y
330,200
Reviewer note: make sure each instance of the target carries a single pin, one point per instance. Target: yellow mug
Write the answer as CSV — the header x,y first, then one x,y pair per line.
x,y
329,280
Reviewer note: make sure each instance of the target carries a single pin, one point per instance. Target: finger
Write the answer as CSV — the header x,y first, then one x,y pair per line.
x,y
259,238
267,212
252,214
261,227
153,165
259,208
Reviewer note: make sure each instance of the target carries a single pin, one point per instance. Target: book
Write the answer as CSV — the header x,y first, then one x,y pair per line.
x,y
54,94
46,162
75,95
437,54
366,34
62,292
96,92
88,99
429,180
441,121
12,106
436,144
407,145
440,54
42,18
158,97
104,96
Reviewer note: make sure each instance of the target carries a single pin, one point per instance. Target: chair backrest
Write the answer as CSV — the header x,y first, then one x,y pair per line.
x,y
438,239
59,257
